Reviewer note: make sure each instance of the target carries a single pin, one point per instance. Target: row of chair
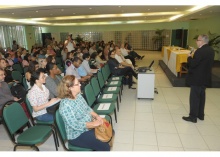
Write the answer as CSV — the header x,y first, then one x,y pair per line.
x,y
94,91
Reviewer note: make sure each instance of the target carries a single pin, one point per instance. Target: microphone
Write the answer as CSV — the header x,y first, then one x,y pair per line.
x,y
192,50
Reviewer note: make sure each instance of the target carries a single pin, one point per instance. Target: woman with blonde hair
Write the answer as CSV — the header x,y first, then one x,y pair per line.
x,y
79,119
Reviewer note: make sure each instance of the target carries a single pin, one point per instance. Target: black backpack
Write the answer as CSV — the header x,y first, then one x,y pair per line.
x,y
17,90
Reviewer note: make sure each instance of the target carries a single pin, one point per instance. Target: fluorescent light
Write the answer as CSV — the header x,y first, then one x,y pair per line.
x,y
175,17
197,7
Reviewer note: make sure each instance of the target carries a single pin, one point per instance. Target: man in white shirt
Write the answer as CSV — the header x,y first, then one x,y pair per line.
x,y
120,58
92,49
124,52
85,64
72,70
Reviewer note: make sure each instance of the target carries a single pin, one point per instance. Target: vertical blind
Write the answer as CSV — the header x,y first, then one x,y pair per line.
x,y
10,33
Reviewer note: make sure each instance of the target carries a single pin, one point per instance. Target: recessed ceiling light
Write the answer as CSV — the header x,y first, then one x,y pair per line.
x,y
200,14
62,9
119,6
74,13
90,8
51,14
148,9
36,11
13,13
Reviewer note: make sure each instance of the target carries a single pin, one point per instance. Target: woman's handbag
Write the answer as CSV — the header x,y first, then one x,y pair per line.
x,y
104,131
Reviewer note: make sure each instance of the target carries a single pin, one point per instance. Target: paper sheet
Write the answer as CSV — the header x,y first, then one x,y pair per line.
x,y
107,96
112,89
115,78
114,82
104,106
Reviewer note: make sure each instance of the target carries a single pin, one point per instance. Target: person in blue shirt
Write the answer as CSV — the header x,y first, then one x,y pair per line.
x,y
79,119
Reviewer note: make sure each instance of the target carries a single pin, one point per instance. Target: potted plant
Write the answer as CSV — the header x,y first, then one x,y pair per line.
x,y
158,38
78,39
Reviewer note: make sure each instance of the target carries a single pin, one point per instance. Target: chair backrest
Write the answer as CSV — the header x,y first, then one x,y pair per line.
x,y
95,86
105,73
16,75
30,109
25,83
25,69
14,117
100,79
60,127
18,67
89,94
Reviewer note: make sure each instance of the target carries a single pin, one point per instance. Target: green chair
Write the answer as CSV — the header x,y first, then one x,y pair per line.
x,y
21,132
25,69
62,134
38,122
91,100
24,83
111,81
18,67
16,75
101,97
108,90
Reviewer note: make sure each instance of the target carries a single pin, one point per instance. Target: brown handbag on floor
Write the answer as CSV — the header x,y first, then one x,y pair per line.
x,y
104,131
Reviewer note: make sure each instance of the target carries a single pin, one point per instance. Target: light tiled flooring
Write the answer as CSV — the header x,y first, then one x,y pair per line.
x,y
157,125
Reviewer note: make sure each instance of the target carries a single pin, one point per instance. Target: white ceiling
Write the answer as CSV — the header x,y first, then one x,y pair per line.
x,y
67,13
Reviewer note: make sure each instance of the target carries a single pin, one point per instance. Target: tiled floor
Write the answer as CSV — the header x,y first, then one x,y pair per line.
x,y
157,125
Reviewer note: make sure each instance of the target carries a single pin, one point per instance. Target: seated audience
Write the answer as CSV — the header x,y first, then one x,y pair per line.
x,y
118,70
52,80
38,96
85,65
69,58
5,92
72,70
51,59
33,66
79,119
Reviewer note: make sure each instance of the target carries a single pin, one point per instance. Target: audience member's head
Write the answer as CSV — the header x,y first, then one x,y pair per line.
x,y
76,62
51,59
86,56
65,85
3,64
2,75
37,77
52,69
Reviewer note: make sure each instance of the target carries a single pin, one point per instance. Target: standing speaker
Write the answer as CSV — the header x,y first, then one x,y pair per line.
x,y
178,33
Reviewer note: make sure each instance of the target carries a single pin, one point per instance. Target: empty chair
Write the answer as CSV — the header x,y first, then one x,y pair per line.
x,y
15,119
99,107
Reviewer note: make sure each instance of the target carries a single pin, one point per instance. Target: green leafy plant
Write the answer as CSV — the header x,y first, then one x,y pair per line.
x,y
214,41
78,39
158,38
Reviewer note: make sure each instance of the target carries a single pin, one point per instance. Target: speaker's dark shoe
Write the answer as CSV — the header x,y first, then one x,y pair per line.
x,y
130,87
201,118
190,119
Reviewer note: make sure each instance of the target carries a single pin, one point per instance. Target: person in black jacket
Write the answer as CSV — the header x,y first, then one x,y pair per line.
x,y
118,70
199,77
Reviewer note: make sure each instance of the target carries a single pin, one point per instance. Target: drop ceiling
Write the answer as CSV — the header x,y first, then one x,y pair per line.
x,y
61,15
